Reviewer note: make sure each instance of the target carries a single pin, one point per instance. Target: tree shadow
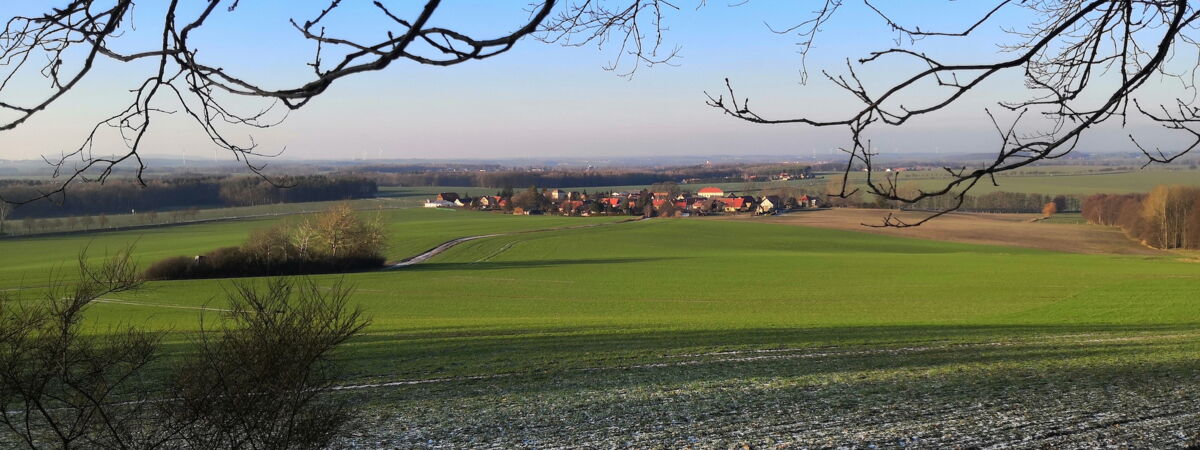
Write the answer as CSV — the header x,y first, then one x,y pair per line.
x,y
526,264
548,360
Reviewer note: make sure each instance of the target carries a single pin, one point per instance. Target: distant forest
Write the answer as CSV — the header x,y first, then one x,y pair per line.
x,y
121,196
583,178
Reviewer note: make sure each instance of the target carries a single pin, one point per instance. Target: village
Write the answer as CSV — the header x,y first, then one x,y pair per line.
x,y
667,203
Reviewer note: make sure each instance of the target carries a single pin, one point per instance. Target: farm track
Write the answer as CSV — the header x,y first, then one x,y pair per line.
x,y
443,247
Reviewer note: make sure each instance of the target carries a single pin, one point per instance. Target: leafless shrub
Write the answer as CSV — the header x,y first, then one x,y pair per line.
x,y
260,379
61,387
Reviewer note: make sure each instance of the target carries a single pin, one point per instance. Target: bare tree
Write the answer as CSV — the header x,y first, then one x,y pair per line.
x,y
261,379
264,380
64,44
1086,62
61,387
5,210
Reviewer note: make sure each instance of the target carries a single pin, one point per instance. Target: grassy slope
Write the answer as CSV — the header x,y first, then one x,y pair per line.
x,y
635,292
26,261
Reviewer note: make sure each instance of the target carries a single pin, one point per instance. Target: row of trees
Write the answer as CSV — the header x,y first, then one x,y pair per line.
x,y
248,191
1167,217
582,178
124,196
256,377
992,202
337,240
1004,202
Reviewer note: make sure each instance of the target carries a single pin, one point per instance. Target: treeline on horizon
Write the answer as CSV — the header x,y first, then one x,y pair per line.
x,y
991,202
1001,202
124,196
582,178
1167,217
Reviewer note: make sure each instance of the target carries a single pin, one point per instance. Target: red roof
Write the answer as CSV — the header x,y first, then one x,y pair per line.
x,y
736,202
658,202
681,205
712,190
612,201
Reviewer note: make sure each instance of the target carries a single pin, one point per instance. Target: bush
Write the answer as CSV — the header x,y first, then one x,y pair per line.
x,y
259,379
168,269
332,242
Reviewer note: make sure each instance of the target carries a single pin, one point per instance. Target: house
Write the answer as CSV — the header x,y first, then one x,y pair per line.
x,y
737,204
489,202
526,212
809,202
438,204
448,196
769,205
711,192
708,205
571,208
556,195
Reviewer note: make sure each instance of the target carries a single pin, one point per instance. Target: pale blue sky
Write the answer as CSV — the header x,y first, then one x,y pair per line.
x,y
542,99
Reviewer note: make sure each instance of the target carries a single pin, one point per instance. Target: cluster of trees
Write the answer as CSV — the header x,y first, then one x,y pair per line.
x,y
1167,217
992,202
337,240
1004,202
257,378
125,196
248,191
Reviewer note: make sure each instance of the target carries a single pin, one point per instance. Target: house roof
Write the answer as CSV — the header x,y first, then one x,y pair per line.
x,y
712,190
735,202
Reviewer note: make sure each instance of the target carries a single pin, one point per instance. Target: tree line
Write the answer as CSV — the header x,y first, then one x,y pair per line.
x,y
1003,202
125,196
1166,217
992,202
581,178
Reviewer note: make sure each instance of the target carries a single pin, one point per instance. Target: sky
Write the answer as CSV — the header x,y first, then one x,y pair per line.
x,y
544,100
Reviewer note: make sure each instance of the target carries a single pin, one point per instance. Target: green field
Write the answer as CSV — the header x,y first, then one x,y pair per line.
x,y
602,329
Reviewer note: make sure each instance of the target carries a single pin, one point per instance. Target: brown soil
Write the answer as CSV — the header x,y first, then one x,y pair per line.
x,y
1019,230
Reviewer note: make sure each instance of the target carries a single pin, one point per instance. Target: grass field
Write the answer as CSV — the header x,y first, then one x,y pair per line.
x,y
703,332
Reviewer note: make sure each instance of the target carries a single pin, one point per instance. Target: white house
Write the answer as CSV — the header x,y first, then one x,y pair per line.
x,y
769,204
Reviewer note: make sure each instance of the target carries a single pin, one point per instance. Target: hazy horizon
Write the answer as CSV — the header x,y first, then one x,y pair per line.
x,y
546,100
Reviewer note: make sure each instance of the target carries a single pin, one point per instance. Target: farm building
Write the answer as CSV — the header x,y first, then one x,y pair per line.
x,y
711,192
736,204
769,204
438,204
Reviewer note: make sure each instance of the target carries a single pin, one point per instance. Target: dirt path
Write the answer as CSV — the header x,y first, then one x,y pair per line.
x,y
453,242
1018,230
